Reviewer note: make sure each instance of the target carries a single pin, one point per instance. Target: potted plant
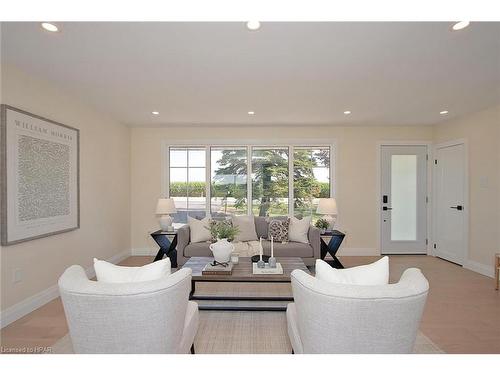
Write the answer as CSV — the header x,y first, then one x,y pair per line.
x,y
223,234
322,224
222,230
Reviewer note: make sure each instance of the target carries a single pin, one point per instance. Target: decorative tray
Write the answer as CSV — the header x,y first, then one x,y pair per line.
x,y
268,271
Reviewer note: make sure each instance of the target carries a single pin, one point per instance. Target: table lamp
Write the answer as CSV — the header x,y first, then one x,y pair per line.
x,y
328,208
165,207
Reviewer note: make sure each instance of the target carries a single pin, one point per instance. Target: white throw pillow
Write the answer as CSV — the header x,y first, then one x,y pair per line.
x,y
111,273
299,229
246,225
376,273
199,229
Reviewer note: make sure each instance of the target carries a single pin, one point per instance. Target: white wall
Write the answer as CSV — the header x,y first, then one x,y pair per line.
x,y
482,132
104,192
356,166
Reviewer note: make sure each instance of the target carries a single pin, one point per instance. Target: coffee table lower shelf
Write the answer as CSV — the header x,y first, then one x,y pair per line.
x,y
222,307
242,273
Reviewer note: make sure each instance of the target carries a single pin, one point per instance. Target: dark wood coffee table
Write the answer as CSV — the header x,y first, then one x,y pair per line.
x,y
242,273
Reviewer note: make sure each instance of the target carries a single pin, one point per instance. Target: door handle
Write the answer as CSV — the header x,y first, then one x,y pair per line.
x,y
459,208
386,208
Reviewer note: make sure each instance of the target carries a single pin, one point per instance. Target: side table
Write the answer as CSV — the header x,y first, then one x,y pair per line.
x,y
167,241
330,243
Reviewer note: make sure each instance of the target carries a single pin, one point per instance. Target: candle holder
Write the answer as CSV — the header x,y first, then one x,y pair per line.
x,y
272,262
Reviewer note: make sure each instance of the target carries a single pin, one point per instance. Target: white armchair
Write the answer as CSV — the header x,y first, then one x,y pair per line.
x,y
143,317
340,318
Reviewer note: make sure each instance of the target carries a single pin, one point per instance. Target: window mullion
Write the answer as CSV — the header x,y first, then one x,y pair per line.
x,y
187,179
249,180
291,151
208,179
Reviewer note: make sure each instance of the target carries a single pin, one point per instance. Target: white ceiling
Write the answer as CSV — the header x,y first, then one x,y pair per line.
x,y
288,73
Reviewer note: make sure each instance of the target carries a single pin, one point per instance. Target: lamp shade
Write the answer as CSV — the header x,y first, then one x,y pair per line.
x,y
327,206
165,206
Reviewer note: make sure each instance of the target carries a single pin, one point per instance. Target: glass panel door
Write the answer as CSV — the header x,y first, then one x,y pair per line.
x,y
403,201
404,197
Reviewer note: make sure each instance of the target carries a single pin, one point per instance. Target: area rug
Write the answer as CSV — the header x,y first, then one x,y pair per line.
x,y
246,333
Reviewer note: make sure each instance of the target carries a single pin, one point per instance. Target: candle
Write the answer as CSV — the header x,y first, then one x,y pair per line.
x,y
260,249
272,247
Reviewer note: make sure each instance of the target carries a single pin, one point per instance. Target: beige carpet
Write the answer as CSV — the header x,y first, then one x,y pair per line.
x,y
246,333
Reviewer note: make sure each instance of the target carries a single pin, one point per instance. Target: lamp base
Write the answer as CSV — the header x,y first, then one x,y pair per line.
x,y
331,221
165,222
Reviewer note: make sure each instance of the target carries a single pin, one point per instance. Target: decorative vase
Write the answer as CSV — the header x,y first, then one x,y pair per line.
x,y
222,250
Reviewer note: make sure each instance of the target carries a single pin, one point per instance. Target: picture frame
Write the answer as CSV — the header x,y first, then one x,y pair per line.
x,y
40,176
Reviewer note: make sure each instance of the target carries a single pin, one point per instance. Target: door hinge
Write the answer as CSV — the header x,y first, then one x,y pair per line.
x,y
427,157
427,199
435,246
426,241
435,161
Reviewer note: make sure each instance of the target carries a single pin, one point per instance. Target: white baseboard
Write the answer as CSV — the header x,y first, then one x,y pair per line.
x,y
358,251
483,269
30,304
144,251
20,309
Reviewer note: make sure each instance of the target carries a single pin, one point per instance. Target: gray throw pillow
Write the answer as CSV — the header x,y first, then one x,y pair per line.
x,y
278,229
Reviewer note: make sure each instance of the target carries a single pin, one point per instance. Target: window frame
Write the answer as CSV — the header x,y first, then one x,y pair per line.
x,y
249,144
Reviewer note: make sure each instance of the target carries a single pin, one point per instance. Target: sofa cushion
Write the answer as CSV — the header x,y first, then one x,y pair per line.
x,y
299,229
278,229
288,249
261,226
246,226
199,229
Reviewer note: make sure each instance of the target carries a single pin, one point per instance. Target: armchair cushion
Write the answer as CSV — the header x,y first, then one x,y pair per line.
x,y
376,273
111,273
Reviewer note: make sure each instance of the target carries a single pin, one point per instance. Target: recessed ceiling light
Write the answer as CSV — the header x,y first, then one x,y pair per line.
x,y
253,25
347,112
155,113
443,112
251,113
50,27
460,25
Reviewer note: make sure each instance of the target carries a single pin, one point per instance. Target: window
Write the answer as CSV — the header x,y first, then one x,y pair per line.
x,y
311,179
187,182
229,181
247,179
270,181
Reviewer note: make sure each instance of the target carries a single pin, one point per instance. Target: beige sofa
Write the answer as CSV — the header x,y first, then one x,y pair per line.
x,y
308,252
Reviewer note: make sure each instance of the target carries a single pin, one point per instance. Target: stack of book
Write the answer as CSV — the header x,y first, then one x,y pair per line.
x,y
218,269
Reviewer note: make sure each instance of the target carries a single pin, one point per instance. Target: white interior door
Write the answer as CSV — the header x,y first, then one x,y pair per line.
x,y
403,202
450,211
